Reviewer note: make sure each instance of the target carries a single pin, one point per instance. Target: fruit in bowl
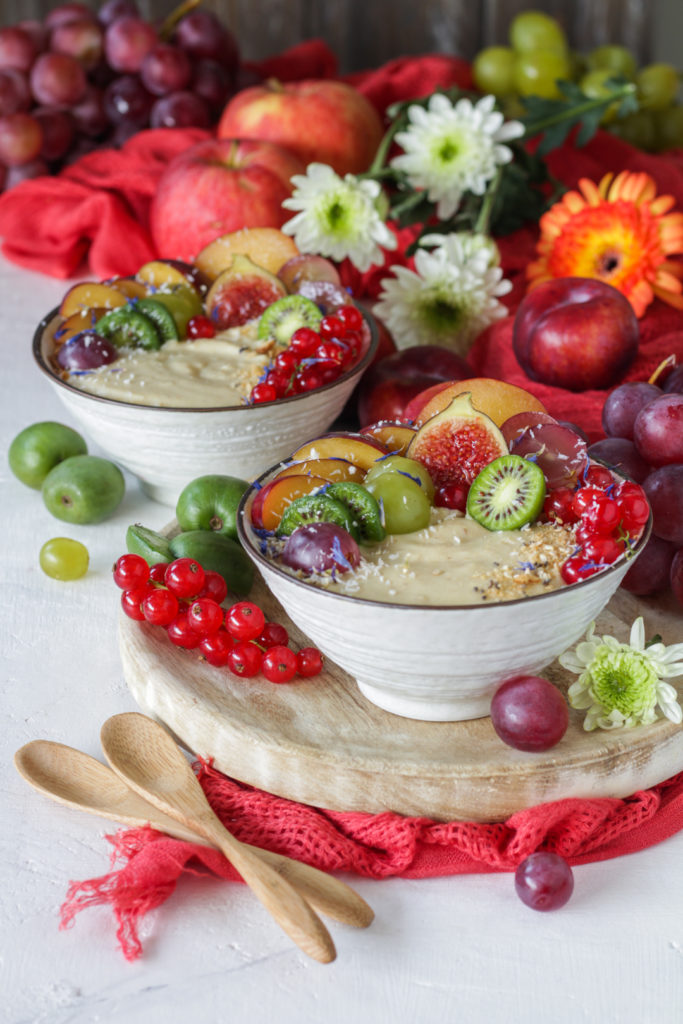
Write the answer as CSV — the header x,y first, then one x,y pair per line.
x,y
445,603
177,372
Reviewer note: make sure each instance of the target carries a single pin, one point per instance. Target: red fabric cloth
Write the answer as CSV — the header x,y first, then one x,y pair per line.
x,y
148,865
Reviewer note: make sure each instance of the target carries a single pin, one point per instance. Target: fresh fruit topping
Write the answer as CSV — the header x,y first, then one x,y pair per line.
x,y
394,436
321,546
495,398
62,558
514,427
558,506
360,450
314,508
305,267
127,328
544,881
286,315
457,443
621,455
183,303
452,496
86,351
241,293
404,503
90,294
529,713
409,468
37,449
268,247
200,327
273,498
366,513
506,494
169,274
557,450
324,469
160,316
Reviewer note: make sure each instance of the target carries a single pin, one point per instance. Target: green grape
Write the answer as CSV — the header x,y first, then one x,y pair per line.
x,y
657,86
531,31
537,74
616,59
668,128
405,505
64,559
407,467
637,129
578,65
492,70
593,85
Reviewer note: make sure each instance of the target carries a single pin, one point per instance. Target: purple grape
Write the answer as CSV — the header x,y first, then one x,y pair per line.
x,y
674,382
664,490
676,576
58,131
622,455
57,80
112,10
179,110
165,69
126,100
17,48
327,296
213,83
559,452
317,547
658,430
127,41
67,12
529,713
544,881
623,405
201,34
89,113
15,94
81,38
86,351
650,571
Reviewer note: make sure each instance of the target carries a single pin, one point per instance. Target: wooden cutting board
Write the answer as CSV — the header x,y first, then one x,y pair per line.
x,y
319,741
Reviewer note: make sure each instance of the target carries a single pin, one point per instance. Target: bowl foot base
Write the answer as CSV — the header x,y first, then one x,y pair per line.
x,y
163,495
426,710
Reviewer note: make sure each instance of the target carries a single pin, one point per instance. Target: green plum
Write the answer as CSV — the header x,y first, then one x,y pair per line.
x,y
83,489
39,448
210,503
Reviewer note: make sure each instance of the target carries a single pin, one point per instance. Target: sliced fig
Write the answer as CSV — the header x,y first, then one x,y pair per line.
x,y
242,293
457,443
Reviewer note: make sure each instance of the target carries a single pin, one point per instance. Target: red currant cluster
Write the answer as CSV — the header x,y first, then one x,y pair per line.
x,y
186,600
312,358
607,516
200,327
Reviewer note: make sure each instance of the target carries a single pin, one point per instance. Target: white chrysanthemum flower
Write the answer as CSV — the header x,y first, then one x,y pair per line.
x,y
338,217
451,148
450,299
622,685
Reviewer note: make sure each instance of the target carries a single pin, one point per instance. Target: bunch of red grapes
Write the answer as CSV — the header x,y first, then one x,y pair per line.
x,y
81,79
644,427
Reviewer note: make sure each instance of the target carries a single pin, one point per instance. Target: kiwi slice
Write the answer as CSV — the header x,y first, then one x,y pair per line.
x,y
160,316
126,328
315,508
286,315
364,508
507,494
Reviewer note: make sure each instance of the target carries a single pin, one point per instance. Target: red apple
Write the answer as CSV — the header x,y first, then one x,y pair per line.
x,y
575,333
219,186
321,121
389,384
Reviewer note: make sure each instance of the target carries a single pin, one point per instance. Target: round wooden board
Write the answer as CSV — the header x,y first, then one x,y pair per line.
x,y
319,741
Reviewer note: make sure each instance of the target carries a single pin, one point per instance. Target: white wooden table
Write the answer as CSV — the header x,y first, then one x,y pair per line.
x,y
461,948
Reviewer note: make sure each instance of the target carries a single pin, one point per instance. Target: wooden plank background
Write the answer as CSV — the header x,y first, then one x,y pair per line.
x,y
365,33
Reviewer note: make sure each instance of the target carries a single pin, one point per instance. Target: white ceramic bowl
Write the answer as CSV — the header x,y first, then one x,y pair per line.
x,y
437,664
167,448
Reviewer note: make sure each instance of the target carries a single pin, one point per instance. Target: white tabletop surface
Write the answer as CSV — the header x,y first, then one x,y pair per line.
x,y
462,948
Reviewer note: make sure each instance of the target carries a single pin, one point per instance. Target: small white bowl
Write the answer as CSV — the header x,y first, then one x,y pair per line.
x,y
438,663
166,448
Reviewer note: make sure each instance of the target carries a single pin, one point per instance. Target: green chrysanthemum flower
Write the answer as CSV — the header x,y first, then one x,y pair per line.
x,y
622,685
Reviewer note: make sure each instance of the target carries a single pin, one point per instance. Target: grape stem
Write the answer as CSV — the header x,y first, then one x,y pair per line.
x,y
169,23
575,112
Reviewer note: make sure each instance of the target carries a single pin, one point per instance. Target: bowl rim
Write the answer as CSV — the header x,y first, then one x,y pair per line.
x,y
245,538
353,371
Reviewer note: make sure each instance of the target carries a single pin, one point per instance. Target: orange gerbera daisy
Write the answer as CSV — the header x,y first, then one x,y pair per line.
x,y
619,231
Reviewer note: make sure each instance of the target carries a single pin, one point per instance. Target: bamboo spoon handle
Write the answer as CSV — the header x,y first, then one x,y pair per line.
x,y
326,893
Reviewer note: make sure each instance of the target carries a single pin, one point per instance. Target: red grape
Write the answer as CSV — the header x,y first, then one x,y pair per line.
x,y
558,451
664,490
674,382
21,139
658,430
127,41
622,455
17,49
650,571
15,94
544,881
676,577
89,114
86,351
58,129
179,110
317,547
165,69
38,32
529,713
67,12
623,404
213,83
201,34
57,80
81,38
514,426
114,9
24,172
126,101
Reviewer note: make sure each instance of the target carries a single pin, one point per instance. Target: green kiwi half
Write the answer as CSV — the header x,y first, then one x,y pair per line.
x,y
286,315
507,494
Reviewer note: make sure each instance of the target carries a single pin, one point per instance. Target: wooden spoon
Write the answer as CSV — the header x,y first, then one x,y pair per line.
x,y
78,780
145,756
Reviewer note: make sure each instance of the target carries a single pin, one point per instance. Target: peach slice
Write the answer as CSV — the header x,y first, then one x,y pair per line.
x,y
496,398
129,287
83,320
331,470
361,451
171,273
241,293
394,436
269,248
271,501
88,294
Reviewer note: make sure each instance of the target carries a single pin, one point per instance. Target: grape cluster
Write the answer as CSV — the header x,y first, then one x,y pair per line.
x,y
644,427
186,601
82,79
539,56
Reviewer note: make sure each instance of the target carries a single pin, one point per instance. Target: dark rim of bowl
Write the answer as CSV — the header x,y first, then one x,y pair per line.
x,y
245,540
43,365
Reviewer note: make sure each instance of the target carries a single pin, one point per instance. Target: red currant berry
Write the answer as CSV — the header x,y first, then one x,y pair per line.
x,y
634,508
244,620
205,616
453,495
279,664
333,351
598,476
184,577
131,602
286,361
584,498
160,607
200,327
602,514
331,327
261,393
557,506
278,380
585,532
216,648
214,587
157,572
577,568
180,634
244,659
351,317
307,379
602,550
273,635
304,342
130,571
309,662
353,341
